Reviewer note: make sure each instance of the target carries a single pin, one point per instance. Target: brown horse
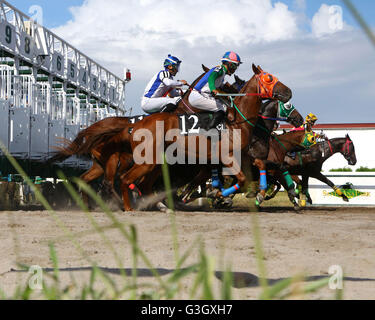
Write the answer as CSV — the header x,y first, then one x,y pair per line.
x,y
261,85
309,164
107,141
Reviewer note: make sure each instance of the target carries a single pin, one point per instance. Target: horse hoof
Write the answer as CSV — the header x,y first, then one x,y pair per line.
x,y
212,194
259,199
297,208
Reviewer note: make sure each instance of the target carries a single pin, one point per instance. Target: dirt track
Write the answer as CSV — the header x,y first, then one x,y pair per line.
x,y
309,243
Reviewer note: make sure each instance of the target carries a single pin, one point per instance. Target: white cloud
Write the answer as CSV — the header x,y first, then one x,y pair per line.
x,y
141,33
322,67
328,20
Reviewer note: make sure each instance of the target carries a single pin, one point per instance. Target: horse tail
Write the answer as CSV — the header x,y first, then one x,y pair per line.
x,y
99,137
68,148
89,138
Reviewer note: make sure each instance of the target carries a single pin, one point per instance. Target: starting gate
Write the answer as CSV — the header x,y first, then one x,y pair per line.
x,y
49,90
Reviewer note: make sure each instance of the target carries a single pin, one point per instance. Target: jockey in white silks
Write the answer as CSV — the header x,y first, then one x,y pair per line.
x,y
203,95
161,94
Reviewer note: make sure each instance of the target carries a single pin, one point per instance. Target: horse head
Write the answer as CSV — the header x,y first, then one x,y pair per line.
x,y
348,151
270,87
286,111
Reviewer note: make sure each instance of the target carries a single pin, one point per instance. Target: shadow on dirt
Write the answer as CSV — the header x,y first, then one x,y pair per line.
x,y
240,279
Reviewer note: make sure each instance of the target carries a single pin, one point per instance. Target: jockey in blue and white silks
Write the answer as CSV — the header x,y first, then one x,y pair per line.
x,y
160,93
203,95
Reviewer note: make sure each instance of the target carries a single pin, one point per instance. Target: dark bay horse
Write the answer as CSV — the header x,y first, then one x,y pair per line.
x,y
259,145
309,164
261,85
279,146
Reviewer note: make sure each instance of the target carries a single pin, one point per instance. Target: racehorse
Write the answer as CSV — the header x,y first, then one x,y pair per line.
x,y
309,164
107,141
271,111
261,86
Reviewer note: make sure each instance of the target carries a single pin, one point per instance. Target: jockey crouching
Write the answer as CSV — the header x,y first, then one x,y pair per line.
x,y
155,98
203,95
310,137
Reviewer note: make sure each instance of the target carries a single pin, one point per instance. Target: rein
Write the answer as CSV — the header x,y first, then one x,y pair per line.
x,y
270,118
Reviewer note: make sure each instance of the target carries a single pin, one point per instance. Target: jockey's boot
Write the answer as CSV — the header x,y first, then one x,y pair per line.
x,y
216,119
170,107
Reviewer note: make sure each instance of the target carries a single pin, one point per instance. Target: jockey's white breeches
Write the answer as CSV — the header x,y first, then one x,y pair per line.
x,y
152,105
205,102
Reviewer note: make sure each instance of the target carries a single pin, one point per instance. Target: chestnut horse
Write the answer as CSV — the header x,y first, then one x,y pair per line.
x,y
107,141
243,117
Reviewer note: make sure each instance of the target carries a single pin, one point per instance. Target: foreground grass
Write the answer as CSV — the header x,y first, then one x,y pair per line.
x,y
102,286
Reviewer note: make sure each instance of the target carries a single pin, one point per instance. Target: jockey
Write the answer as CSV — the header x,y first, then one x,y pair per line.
x,y
308,124
203,95
155,97
310,136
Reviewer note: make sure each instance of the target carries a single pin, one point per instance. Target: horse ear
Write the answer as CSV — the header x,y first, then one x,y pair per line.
x,y
260,68
256,69
205,69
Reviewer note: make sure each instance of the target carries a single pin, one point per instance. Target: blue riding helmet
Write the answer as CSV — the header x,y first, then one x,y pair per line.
x,y
172,61
231,56
232,60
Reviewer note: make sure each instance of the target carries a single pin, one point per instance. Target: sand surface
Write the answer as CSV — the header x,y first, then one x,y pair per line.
x,y
293,243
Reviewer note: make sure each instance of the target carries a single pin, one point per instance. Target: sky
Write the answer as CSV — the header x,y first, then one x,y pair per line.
x,y
314,47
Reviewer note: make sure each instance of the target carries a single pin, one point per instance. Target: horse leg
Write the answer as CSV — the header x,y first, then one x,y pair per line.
x,y
274,183
260,164
298,182
126,160
242,176
199,179
127,181
93,173
323,178
291,195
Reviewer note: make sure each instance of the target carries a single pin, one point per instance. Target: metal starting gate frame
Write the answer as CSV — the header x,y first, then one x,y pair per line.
x,y
48,89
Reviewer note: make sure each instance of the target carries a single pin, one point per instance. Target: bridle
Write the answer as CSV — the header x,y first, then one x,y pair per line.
x,y
346,147
345,150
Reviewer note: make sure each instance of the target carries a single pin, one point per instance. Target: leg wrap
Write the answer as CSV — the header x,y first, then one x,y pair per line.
x,y
231,190
289,180
216,183
263,180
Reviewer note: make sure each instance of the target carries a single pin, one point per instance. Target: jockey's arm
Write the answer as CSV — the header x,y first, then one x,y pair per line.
x,y
212,81
174,83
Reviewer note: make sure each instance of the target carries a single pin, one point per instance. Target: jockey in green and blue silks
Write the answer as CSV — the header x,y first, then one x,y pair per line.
x,y
203,95
160,93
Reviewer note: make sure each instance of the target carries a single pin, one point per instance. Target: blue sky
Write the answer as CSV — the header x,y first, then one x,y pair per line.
x,y
56,12
290,38
365,7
